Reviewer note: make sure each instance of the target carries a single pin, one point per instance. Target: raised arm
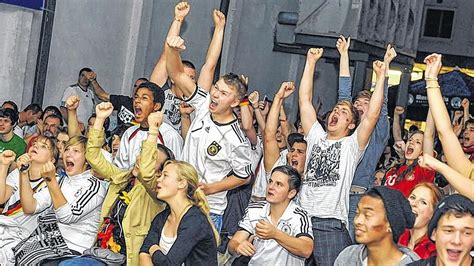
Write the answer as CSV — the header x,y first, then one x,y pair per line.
x,y
28,202
247,121
451,146
253,99
345,82
270,144
206,76
397,130
149,154
428,136
367,124
159,74
465,106
6,158
72,124
175,68
459,182
307,112
98,90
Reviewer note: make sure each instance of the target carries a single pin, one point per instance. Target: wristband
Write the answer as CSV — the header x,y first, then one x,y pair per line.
x,y
432,87
431,79
244,102
178,19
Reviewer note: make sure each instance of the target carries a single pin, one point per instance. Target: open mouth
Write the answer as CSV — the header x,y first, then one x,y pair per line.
x,y
415,213
453,254
138,111
212,104
69,165
409,151
294,163
333,121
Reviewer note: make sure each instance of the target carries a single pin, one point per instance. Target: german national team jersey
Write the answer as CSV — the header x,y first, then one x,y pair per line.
x,y
294,222
405,186
132,139
216,150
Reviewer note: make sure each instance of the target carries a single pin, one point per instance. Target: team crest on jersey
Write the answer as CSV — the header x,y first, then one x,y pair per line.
x,y
78,193
214,148
286,228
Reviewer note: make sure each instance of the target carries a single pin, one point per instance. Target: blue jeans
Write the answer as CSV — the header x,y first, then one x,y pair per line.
x,y
353,201
217,220
79,261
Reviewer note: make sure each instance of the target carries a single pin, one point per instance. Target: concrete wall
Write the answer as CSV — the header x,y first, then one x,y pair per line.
x,y
463,30
18,50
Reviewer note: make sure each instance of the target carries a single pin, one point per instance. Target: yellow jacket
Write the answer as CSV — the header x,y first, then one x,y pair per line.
x,y
143,206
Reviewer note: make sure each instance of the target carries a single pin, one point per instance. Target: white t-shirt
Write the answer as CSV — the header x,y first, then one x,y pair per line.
x,y
14,224
294,222
79,217
330,168
215,150
132,139
87,104
171,110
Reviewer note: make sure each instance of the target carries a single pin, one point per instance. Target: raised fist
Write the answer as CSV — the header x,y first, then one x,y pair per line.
x,y
433,65
181,10
379,67
7,157
465,103
286,89
219,18
390,54
176,43
314,54
343,44
104,110
399,110
48,171
253,99
72,102
155,119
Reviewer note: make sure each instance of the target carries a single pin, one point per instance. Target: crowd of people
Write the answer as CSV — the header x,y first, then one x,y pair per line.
x,y
203,172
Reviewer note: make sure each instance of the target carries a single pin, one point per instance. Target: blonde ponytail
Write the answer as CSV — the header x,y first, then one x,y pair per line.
x,y
194,193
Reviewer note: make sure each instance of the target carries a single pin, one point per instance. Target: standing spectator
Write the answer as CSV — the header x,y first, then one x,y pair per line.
x,y
382,216
81,90
215,144
280,229
332,158
149,98
452,229
363,177
9,140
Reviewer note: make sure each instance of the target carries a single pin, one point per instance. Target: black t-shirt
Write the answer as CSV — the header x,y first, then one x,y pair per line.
x,y
124,105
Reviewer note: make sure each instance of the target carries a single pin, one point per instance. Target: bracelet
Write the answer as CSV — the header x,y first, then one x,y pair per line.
x,y
178,19
432,87
244,102
431,79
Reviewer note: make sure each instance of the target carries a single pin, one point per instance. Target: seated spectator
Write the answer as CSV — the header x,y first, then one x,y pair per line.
x,y
452,229
9,140
76,197
148,98
182,234
423,200
382,216
15,225
280,229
